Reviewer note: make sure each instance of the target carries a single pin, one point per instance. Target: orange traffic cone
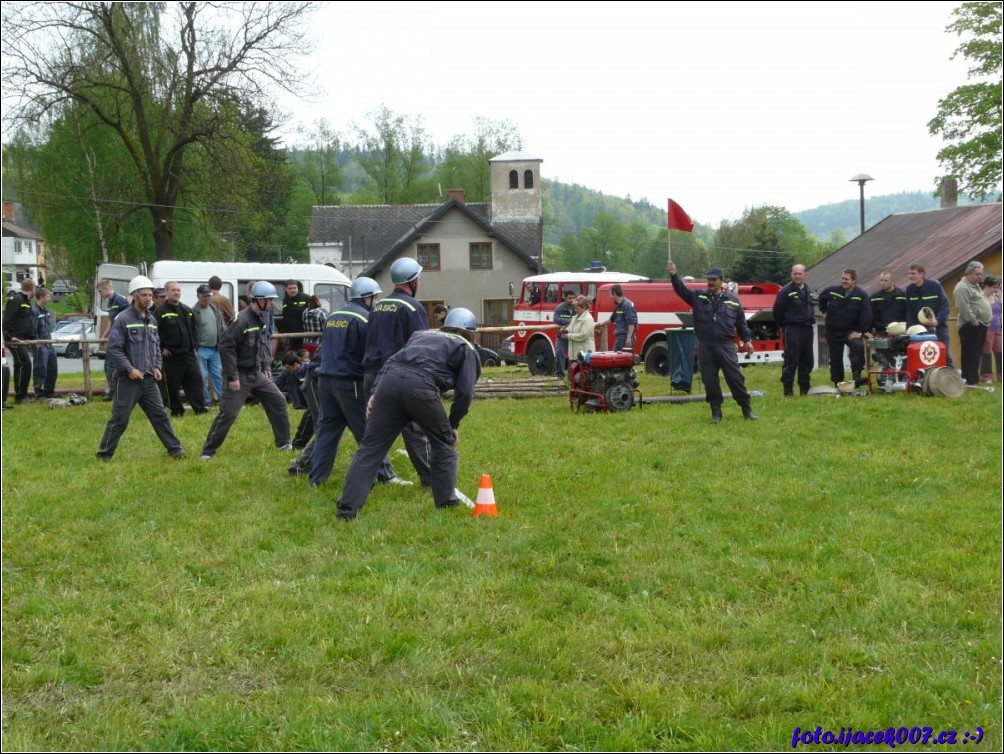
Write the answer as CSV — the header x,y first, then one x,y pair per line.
x,y
485,505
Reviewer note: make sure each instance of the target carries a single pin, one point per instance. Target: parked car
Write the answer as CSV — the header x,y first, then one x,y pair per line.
x,y
488,357
66,339
61,288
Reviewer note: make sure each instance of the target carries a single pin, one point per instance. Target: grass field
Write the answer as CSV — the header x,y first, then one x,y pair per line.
x,y
652,582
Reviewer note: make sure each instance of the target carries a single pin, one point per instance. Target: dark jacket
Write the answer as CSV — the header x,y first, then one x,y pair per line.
x,y
18,321
133,343
177,327
929,293
716,318
846,311
292,312
343,342
42,319
245,346
793,306
448,360
393,320
888,307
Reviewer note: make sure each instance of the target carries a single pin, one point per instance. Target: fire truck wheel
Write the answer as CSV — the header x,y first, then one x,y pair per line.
x,y
657,360
620,397
539,358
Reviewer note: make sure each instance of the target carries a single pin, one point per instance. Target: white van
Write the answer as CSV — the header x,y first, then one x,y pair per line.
x,y
327,283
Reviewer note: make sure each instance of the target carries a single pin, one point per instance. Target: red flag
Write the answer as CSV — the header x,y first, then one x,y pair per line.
x,y
678,219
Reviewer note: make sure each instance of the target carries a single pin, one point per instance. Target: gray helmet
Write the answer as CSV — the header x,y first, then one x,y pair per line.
x,y
404,270
363,287
263,289
461,319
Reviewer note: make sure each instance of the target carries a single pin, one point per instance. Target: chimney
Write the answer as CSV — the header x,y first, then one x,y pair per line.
x,y
949,193
8,210
459,194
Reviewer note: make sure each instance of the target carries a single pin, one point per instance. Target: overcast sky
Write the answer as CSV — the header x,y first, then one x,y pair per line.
x,y
718,105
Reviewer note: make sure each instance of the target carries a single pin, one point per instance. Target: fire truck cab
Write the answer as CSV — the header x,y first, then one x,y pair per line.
x,y
658,307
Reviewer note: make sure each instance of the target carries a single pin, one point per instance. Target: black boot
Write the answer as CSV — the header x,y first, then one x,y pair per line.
x,y
716,415
748,415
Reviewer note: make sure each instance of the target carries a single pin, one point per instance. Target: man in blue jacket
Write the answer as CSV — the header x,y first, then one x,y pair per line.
x,y
718,315
925,292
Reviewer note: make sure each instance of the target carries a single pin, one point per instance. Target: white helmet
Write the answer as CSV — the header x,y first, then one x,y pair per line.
x,y
926,316
896,328
916,330
139,283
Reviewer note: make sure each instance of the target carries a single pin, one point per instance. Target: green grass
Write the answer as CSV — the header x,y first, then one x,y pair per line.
x,y
652,582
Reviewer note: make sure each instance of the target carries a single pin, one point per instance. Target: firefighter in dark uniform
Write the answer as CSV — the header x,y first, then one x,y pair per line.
x,y
393,320
717,316
795,314
341,398
19,325
409,389
117,303
134,352
178,341
848,310
888,304
563,314
246,354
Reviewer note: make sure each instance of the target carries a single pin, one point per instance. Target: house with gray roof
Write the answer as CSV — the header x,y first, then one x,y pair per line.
x,y
473,254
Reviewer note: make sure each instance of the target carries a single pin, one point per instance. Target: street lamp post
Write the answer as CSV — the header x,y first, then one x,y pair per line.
x,y
862,179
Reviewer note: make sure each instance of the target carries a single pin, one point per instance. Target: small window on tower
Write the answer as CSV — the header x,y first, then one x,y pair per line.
x,y
528,179
513,179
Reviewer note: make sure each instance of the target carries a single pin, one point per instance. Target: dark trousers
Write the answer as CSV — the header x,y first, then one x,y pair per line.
x,y
941,330
46,370
127,394
560,356
415,441
856,355
21,355
972,338
713,357
797,358
402,397
182,371
341,404
267,394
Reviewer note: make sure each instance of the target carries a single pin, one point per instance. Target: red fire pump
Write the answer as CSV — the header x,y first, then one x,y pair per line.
x,y
603,381
903,360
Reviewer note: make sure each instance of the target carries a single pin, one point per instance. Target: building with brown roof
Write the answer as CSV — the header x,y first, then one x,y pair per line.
x,y
942,240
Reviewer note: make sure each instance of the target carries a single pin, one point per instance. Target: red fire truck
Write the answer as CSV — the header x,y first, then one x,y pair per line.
x,y
658,306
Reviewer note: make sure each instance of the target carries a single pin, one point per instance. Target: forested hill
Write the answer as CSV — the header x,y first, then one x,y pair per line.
x,y
570,208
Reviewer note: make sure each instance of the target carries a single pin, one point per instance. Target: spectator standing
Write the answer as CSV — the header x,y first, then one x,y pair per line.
x,y
223,304
178,343
974,319
209,325
116,303
718,316
992,346
795,313
439,312
581,329
313,321
624,320
247,366
294,305
341,396
18,326
848,316
46,368
563,314
408,390
135,356
392,322
888,304
925,292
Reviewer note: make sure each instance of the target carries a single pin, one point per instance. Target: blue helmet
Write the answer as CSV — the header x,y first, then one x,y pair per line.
x,y
404,270
263,289
363,287
461,319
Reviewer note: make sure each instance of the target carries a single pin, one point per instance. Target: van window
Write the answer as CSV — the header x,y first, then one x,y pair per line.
x,y
332,296
120,286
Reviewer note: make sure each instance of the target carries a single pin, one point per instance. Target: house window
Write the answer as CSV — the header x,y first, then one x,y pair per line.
x,y
513,179
428,256
528,179
481,256
17,247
